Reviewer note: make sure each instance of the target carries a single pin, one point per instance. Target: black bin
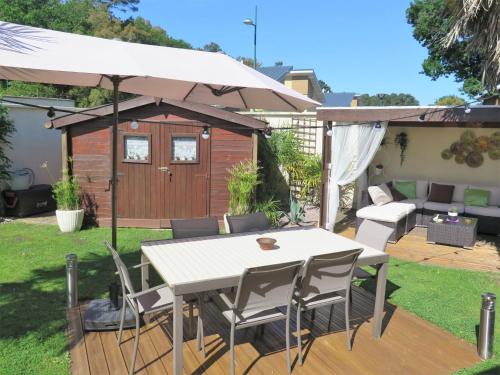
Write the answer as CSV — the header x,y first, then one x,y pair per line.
x,y
35,200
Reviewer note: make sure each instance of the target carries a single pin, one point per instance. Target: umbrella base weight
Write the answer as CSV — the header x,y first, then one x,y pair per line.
x,y
101,315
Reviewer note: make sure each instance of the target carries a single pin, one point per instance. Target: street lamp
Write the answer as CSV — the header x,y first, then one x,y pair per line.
x,y
250,22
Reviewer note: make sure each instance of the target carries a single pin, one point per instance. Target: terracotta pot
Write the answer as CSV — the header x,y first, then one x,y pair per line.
x,y
69,220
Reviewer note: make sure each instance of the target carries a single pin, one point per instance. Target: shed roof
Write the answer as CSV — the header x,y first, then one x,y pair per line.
x,y
193,111
338,99
409,115
277,72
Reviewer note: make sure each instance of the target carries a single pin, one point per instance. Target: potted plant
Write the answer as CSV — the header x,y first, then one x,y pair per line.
x,y
69,214
297,212
379,169
401,140
453,214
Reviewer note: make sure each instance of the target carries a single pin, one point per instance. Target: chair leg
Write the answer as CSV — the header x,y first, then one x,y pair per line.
x,y
347,323
200,335
122,319
287,340
231,349
299,336
191,319
330,318
136,344
313,315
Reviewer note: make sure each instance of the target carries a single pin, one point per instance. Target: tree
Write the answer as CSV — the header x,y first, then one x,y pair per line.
x,y
381,100
464,54
278,63
212,47
449,100
478,23
325,88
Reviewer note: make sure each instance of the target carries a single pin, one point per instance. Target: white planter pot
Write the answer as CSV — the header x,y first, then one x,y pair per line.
x,y
226,224
69,220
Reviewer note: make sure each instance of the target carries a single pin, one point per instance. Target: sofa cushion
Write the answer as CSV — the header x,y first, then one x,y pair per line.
x,y
408,188
396,194
380,194
418,202
458,191
476,197
444,207
390,212
494,193
441,193
490,211
422,187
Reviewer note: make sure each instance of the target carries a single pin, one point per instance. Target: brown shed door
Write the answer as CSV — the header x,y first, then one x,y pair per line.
x,y
163,173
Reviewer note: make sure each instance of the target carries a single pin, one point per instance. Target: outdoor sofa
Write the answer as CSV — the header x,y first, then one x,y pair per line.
x,y
420,210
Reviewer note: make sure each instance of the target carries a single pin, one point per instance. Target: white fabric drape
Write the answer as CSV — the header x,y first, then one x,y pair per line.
x,y
353,148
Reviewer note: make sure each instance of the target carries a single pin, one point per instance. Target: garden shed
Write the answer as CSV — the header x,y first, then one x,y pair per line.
x,y
173,159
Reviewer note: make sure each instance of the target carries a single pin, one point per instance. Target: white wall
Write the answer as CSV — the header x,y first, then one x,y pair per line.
x,y
32,143
423,158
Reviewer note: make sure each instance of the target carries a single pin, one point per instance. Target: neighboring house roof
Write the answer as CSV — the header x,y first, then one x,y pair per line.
x,y
277,72
194,111
338,99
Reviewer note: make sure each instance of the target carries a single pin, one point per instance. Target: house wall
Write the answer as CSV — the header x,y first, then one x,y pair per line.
x,y
423,158
32,144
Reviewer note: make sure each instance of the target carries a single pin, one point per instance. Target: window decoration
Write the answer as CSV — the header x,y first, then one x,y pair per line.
x,y
137,148
184,148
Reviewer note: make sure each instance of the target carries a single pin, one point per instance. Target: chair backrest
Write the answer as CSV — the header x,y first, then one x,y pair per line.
x,y
373,234
188,228
328,273
127,286
267,287
248,223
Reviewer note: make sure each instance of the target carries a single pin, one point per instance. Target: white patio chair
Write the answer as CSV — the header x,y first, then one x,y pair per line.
x,y
156,299
326,281
261,291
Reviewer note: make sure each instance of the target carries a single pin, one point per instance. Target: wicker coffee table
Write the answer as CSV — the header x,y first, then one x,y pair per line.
x,y
457,233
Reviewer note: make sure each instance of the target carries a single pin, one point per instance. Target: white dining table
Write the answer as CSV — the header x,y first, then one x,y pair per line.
x,y
204,264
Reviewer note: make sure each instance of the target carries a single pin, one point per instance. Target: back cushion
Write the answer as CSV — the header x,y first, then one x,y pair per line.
x,y
458,191
441,193
494,194
380,194
422,187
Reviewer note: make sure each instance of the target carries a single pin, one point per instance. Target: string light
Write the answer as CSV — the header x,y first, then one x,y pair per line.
x,y
134,124
267,133
378,125
467,109
51,113
205,134
421,118
329,131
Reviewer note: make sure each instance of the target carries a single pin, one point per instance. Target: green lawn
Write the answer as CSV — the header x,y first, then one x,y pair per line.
x,y
32,292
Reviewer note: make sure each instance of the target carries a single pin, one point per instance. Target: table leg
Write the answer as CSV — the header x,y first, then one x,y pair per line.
x,y
144,273
178,336
380,300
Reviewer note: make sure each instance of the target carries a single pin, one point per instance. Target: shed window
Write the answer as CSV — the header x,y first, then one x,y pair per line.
x,y
184,148
137,148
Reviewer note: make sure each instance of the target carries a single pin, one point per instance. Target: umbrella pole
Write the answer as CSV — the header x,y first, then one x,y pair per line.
x,y
114,163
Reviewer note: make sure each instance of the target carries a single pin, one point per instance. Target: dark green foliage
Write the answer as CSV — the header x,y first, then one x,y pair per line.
x,y
325,88
449,100
6,129
274,185
393,99
431,21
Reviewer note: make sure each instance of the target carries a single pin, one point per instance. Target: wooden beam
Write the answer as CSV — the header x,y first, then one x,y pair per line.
x,y
64,152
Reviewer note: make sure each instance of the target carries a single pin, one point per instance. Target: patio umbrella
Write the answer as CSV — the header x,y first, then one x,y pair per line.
x,y
39,55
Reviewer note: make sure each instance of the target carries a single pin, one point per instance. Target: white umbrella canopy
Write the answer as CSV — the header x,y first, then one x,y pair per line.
x,y
39,55
47,56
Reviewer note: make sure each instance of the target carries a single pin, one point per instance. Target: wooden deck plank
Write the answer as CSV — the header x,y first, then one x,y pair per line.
x,y
127,347
408,345
113,354
95,351
76,343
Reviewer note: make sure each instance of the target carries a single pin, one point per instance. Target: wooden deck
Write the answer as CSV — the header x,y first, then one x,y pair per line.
x,y
413,247
409,345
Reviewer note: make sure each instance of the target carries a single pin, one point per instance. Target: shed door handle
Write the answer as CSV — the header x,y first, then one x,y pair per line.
x,y
164,169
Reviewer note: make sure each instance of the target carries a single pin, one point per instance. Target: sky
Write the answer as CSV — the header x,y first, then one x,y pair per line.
x,y
361,46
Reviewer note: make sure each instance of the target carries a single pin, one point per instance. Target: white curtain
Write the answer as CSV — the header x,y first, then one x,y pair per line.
x,y
353,148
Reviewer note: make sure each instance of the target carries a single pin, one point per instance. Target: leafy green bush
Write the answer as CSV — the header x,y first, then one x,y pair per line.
x,y
271,208
242,182
66,193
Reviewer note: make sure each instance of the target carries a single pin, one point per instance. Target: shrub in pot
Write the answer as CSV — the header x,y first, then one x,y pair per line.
x,y
69,214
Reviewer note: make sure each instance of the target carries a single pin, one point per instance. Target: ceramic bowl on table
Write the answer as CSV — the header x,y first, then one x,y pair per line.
x,y
266,243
